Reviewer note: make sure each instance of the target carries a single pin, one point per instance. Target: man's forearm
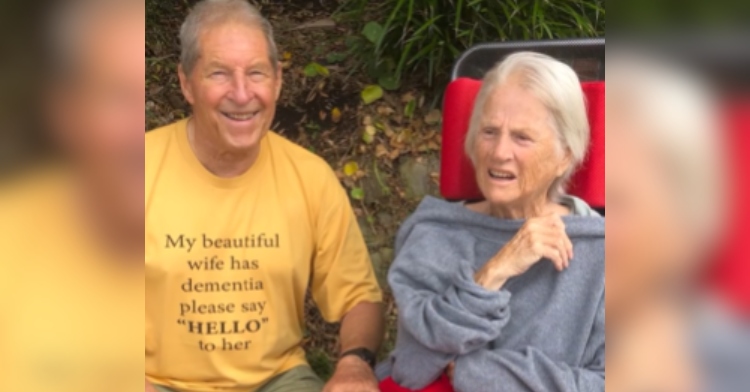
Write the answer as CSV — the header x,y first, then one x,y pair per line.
x,y
363,326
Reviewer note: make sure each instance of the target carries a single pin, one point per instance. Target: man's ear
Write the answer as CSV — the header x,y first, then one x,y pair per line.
x,y
187,91
279,80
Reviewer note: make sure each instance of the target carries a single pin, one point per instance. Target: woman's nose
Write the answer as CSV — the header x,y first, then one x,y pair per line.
x,y
502,149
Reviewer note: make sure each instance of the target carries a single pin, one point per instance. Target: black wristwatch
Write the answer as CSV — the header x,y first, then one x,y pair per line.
x,y
366,355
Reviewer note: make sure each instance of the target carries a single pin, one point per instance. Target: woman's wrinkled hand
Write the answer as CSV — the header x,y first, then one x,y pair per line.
x,y
538,238
449,371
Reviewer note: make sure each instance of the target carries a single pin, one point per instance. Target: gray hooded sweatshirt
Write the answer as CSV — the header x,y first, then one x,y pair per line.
x,y
543,331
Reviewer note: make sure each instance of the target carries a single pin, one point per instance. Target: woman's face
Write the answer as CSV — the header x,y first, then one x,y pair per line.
x,y
647,243
518,155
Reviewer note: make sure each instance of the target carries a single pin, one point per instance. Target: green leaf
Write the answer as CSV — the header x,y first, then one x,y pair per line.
x,y
409,108
389,82
351,41
357,193
314,69
371,94
367,138
335,57
311,71
373,31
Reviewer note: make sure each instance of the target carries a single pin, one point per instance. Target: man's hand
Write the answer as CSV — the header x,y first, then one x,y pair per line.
x,y
352,375
149,387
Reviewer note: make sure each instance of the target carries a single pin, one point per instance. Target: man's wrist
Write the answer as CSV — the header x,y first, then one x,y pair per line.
x,y
359,355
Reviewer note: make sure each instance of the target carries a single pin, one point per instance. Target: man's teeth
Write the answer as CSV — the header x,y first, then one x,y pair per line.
x,y
502,175
240,116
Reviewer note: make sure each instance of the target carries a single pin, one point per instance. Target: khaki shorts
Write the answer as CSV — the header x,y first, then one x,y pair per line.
x,y
299,379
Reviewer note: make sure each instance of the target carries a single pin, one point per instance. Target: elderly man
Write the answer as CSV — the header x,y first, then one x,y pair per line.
x,y
240,223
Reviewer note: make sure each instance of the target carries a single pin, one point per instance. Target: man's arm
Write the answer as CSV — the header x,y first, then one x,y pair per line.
x,y
362,327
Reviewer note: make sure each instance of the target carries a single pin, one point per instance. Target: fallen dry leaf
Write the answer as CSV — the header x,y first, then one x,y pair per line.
x,y
336,115
433,117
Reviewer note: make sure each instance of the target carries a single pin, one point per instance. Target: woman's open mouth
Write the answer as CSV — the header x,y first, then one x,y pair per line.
x,y
501,176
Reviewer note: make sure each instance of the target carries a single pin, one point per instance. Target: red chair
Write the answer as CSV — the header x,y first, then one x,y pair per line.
x,y
441,385
730,273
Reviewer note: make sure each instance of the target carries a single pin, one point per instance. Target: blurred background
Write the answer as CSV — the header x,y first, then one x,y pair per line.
x,y
678,132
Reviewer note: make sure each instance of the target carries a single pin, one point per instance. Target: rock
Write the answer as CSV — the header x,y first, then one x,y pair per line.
x,y
386,255
385,219
380,268
374,191
416,178
367,233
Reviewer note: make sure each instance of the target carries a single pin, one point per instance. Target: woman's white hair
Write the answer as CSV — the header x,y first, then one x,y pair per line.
x,y
674,111
557,86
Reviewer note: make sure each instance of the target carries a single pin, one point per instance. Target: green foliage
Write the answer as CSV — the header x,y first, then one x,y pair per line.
x,y
320,363
425,37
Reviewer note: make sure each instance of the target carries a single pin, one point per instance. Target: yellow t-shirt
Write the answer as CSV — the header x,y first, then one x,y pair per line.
x,y
71,312
228,262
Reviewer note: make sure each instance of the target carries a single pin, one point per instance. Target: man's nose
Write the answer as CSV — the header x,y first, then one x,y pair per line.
x,y
241,93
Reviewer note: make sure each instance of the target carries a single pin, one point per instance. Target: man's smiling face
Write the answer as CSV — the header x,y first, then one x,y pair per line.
x,y
233,87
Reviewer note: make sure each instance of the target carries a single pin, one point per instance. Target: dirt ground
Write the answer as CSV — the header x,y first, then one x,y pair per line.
x,y
384,157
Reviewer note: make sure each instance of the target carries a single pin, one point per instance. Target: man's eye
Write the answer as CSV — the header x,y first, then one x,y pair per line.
x,y
218,73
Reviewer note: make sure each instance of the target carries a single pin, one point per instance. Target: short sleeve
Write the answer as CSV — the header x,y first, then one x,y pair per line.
x,y
342,274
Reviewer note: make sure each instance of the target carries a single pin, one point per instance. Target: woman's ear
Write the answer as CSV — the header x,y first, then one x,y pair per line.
x,y
566,162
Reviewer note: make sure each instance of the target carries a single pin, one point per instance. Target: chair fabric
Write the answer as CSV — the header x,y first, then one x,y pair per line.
x,y
441,385
730,272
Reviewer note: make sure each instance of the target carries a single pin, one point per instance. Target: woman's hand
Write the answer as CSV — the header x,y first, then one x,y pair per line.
x,y
540,237
449,371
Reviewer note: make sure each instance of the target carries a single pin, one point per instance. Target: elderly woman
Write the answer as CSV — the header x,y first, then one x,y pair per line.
x,y
507,294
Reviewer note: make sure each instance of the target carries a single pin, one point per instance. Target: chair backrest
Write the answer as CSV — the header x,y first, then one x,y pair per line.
x,y
730,272
584,55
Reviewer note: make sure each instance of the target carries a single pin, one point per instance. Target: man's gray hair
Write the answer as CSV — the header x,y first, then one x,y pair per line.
x,y
558,87
209,13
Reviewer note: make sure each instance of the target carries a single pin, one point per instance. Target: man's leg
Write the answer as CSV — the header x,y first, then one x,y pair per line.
x,y
299,379
162,389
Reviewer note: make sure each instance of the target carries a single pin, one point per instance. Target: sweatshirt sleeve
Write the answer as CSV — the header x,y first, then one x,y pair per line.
x,y
415,366
530,370
439,303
